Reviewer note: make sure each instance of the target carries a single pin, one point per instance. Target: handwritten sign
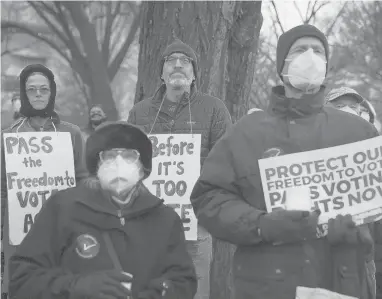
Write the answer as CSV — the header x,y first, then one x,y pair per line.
x,y
343,180
38,164
176,168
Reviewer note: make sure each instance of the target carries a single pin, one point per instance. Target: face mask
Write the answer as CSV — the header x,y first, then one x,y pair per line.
x,y
349,110
306,71
118,175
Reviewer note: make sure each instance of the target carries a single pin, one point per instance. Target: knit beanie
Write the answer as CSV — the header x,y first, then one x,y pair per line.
x,y
26,108
288,38
118,134
178,46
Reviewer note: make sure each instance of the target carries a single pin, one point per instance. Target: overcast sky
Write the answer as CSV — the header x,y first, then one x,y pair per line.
x,y
289,15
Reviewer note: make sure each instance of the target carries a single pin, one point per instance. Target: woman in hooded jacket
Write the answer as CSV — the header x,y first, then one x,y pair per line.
x,y
37,96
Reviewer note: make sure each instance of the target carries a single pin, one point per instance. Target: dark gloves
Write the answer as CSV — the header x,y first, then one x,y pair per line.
x,y
159,288
101,285
282,226
342,229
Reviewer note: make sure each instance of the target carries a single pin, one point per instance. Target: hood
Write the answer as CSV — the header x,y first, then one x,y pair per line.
x,y
284,107
26,108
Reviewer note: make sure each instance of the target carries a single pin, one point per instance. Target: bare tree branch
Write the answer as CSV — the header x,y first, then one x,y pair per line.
x,y
335,20
277,16
117,61
51,26
25,29
299,11
110,18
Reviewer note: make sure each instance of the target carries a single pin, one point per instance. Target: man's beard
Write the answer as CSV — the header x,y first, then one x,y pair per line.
x,y
179,82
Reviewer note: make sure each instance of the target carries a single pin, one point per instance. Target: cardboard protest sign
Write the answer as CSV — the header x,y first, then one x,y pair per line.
x,y
37,165
343,180
176,168
317,293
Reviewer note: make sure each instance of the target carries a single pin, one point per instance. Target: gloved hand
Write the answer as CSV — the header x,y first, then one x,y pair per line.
x,y
342,229
282,226
158,288
101,285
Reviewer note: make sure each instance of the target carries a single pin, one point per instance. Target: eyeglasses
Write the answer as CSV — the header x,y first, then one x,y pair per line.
x,y
183,60
42,90
129,155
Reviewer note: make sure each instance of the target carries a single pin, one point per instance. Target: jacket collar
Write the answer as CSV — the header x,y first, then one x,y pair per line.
x,y
159,94
98,200
52,121
284,107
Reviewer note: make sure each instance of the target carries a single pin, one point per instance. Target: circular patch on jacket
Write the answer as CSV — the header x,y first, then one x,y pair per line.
x,y
273,152
87,246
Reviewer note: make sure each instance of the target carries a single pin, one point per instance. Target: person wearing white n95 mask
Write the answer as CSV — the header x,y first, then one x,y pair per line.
x,y
110,231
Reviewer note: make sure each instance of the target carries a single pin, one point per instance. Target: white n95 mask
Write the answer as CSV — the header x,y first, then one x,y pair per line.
x,y
118,175
306,71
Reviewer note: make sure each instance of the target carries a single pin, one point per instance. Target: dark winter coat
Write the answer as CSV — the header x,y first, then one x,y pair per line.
x,y
147,236
196,113
22,125
228,199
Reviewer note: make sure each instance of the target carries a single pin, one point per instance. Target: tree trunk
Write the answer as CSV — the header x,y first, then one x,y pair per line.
x,y
98,80
224,36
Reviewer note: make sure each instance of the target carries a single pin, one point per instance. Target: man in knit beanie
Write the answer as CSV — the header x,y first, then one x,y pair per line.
x,y
279,251
177,107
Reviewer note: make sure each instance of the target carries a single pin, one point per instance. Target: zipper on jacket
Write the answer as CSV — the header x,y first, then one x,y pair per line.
x,y
121,218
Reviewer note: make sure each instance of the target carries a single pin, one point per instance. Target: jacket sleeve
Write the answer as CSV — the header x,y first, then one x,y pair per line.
x,y
178,278
378,244
220,123
217,200
35,265
79,156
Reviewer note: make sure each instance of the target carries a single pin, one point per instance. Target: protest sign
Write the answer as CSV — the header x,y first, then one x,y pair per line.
x,y
343,180
38,164
317,293
176,168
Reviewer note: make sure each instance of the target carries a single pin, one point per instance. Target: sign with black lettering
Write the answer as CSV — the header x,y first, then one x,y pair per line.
x,y
343,180
176,168
37,165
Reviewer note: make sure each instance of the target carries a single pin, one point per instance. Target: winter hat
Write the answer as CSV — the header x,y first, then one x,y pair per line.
x,y
26,108
180,47
118,134
288,38
339,92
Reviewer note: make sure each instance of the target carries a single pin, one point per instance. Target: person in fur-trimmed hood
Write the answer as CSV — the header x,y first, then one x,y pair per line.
x,y
37,100
179,108
108,237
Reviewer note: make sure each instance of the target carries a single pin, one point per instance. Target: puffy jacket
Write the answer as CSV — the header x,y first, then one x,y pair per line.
x,y
228,199
23,125
147,238
196,113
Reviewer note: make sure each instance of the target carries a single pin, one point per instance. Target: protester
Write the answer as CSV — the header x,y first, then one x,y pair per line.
x,y
348,100
37,96
96,117
178,107
278,251
108,237
16,103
